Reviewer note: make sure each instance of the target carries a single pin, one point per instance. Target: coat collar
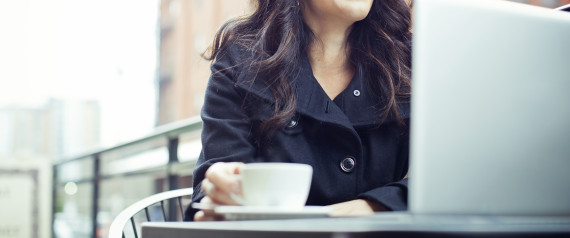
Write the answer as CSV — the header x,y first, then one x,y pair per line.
x,y
347,109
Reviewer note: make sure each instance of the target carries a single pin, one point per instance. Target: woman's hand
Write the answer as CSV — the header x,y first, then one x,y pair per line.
x,y
220,182
359,207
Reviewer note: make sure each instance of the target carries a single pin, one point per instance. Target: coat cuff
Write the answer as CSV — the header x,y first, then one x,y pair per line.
x,y
394,196
196,197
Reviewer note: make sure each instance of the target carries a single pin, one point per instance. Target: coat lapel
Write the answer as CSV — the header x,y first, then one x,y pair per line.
x,y
346,110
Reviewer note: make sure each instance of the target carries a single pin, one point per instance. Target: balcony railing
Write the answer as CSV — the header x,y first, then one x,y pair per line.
x,y
90,189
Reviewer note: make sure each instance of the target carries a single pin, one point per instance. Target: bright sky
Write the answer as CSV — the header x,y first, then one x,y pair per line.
x,y
102,50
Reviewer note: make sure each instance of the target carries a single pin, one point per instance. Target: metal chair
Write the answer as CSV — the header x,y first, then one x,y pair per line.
x,y
118,224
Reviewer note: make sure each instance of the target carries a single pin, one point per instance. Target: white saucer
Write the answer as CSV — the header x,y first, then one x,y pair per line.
x,y
266,213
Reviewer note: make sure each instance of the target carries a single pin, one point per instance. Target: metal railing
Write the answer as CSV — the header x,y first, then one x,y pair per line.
x,y
171,132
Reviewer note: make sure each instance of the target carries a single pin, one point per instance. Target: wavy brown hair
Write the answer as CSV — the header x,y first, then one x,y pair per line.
x,y
277,37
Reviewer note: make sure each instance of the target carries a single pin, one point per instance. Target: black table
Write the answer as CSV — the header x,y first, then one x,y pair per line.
x,y
379,225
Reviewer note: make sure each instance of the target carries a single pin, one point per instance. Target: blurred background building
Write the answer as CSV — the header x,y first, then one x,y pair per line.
x,y
57,127
186,30
88,75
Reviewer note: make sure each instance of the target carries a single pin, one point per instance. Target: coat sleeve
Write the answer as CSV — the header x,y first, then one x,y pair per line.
x,y
394,195
226,132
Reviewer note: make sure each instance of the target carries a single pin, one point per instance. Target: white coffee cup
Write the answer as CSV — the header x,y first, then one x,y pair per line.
x,y
284,185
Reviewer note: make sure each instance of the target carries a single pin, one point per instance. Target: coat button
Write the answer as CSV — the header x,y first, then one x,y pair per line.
x,y
292,124
356,93
347,164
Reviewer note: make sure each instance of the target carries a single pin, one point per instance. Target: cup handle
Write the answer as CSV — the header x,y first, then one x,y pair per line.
x,y
237,198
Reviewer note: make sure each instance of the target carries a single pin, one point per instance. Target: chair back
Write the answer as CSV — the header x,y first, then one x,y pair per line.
x,y
117,227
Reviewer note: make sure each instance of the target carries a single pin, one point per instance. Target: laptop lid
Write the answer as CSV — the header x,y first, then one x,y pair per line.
x,y
490,131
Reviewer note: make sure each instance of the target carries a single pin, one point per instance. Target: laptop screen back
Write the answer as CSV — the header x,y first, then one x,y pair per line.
x,y
490,129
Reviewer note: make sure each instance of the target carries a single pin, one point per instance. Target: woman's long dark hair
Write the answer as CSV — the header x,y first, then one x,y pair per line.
x,y
277,36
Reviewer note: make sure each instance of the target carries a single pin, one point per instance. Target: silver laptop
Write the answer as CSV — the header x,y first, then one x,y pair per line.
x,y
490,130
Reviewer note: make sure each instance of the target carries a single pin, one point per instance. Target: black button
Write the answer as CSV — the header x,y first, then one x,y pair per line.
x,y
356,93
347,164
292,124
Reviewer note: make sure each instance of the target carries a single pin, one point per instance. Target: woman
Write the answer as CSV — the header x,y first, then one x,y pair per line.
x,y
325,83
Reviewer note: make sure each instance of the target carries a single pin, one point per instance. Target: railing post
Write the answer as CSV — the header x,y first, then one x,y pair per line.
x,y
172,178
53,198
95,195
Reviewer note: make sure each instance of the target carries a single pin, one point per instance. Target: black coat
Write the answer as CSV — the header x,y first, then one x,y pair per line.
x,y
352,153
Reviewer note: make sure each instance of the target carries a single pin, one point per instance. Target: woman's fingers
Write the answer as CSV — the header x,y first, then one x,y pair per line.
x,y
221,181
207,215
216,195
223,177
202,216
